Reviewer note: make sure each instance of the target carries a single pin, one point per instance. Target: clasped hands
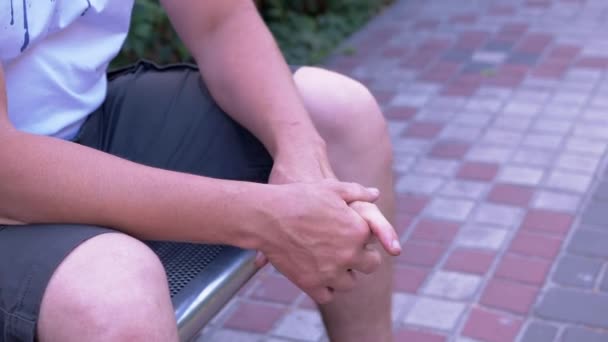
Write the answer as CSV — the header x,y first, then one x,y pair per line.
x,y
326,230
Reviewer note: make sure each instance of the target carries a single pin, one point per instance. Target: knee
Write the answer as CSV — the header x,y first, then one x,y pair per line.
x,y
111,287
343,110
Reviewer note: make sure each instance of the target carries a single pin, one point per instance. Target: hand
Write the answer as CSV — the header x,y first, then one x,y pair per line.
x,y
312,165
316,240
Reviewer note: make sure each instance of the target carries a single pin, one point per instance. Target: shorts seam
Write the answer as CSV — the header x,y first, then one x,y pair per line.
x,y
17,315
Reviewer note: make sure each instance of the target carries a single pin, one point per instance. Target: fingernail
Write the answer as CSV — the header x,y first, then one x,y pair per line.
x,y
376,191
396,245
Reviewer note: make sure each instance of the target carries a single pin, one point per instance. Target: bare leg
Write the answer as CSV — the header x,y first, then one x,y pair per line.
x,y
350,121
110,288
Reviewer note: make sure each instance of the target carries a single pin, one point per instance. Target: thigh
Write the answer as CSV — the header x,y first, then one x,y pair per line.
x,y
28,257
165,117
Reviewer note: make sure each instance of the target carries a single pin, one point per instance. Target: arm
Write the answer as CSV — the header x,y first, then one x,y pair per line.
x,y
245,71
47,180
43,179
248,77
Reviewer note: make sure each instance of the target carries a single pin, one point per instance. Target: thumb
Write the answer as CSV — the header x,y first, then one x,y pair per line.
x,y
351,192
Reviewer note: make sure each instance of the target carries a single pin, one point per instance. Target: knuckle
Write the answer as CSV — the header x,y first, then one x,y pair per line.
x,y
325,298
361,231
347,257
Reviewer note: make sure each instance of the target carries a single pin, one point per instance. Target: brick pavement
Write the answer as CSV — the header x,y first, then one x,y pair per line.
x,y
498,112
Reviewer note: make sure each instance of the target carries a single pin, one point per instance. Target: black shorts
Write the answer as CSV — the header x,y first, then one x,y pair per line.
x,y
158,116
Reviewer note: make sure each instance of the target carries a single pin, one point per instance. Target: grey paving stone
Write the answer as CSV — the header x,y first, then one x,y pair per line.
x,y
301,324
447,102
225,335
484,104
424,88
589,243
577,271
601,192
596,115
498,45
583,74
403,162
450,209
604,282
542,140
501,137
402,304
539,332
553,200
489,154
433,166
589,130
460,132
562,111
500,215
464,189
410,99
524,58
579,334
569,97
599,101
489,57
418,184
472,119
411,146
531,95
454,55
396,128
547,125
434,313
523,175
595,214
576,162
515,123
522,108
478,67
452,285
435,115
568,181
576,87
585,145
540,83
533,157
575,306
494,92
476,236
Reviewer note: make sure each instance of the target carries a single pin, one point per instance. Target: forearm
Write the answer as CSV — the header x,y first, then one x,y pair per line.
x,y
47,180
248,77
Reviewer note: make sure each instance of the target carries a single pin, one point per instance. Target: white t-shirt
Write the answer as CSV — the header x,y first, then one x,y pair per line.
x,y
55,54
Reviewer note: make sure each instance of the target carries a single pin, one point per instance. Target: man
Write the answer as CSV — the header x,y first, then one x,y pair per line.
x,y
150,154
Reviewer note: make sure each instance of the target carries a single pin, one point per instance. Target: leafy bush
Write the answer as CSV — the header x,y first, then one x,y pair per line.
x,y
306,30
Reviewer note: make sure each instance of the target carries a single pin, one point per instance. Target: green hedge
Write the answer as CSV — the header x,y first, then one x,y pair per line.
x,y
306,30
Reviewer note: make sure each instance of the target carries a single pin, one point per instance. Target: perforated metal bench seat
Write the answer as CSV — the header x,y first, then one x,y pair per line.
x,y
202,279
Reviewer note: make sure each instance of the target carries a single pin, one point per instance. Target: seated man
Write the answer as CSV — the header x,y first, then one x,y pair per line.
x,y
165,153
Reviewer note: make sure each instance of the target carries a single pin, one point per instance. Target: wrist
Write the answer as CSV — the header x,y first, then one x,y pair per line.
x,y
294,143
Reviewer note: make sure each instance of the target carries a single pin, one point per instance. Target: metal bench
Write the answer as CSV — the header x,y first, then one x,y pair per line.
x,y
202,279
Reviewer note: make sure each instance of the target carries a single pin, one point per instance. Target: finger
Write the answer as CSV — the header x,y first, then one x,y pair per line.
x,y
344,282
321,295
379,225
369,261
351,192
260,259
